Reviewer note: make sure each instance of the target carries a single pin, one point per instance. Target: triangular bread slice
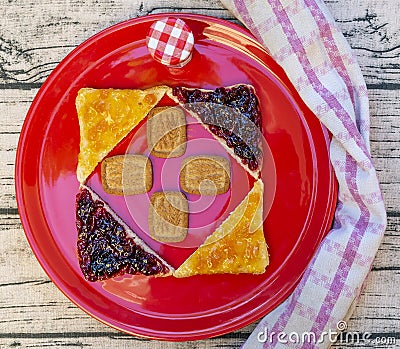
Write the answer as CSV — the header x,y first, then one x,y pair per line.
x,y
106,116
232,112
107,247
237,245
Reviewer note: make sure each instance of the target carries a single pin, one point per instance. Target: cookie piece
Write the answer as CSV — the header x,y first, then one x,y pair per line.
x,y
127,174
168,216
166,132
205,175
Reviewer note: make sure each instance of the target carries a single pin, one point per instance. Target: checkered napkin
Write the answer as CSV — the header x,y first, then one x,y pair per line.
x,y
302,37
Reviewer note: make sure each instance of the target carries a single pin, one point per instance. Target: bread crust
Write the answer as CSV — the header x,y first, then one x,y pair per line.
x,y
237,246
254,174
130,232
106,116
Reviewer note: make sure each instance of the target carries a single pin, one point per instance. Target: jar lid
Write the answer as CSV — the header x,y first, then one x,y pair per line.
x,y
170,41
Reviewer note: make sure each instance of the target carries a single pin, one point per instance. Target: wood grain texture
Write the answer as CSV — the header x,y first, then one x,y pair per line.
x,y
36,35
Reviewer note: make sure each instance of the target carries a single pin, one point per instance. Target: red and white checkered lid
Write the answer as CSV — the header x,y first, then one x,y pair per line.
x,y
170,41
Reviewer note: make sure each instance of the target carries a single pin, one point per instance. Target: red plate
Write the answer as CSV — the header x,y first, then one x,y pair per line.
x,y
300,187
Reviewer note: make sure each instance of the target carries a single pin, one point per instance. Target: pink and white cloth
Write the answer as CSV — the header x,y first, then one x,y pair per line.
x,y
301,35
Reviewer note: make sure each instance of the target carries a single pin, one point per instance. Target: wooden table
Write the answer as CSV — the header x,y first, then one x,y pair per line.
x,y
36,35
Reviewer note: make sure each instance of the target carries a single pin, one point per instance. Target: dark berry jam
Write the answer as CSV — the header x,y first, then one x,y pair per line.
x,y
104,248
232,114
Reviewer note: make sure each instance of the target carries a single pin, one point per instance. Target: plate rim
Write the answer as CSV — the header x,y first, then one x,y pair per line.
x,y
19,183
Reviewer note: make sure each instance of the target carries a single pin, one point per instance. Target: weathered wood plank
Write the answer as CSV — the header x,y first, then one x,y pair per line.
x,y
120,341
116,341
372,30
385,140
31,46
14,105
26,57
29,301
386,258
